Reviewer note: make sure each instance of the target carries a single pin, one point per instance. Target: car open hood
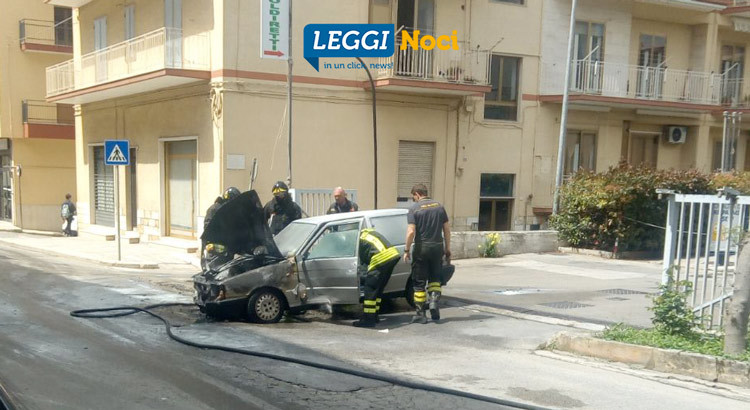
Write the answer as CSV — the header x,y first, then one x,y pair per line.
x,y
241,227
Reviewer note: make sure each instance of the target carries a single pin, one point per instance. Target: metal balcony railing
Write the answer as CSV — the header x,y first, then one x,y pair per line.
x,y
159,49
462,66
41,112
635,82
32,31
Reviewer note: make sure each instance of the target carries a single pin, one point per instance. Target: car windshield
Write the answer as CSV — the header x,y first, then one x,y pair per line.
x,y
291,238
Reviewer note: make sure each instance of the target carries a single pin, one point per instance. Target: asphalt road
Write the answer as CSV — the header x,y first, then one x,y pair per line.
x,y
50,360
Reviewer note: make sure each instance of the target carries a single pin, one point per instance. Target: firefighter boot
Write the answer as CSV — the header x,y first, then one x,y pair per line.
x,y
419,316
434,308
368,320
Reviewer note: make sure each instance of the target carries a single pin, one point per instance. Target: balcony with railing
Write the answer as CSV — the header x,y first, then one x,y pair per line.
x,y
452,72
44,120
155,60
46,36
603,82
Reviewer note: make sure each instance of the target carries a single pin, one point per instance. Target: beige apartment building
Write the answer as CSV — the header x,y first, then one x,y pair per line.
x,y
37,156
183,80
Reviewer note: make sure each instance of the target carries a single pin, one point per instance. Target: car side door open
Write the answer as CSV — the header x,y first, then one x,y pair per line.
x,y
329,264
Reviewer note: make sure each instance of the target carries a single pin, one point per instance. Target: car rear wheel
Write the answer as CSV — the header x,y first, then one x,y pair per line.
x,y
265,306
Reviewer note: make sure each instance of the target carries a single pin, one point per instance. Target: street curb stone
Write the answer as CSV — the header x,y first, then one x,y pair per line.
x,y
697,365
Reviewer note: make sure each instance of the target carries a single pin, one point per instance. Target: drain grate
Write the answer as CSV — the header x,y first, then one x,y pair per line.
x,y
622,292
565,305
619,299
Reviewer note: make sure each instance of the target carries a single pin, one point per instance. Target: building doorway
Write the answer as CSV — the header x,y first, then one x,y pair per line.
x,y
181,188
6,185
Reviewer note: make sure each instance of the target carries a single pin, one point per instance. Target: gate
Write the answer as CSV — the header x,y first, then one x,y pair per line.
x,y
701,246
315,202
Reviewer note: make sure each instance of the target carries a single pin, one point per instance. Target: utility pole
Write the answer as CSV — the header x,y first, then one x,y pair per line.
x,y
564,115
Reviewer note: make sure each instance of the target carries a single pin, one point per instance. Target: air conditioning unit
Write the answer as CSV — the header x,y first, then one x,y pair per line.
x,y
677,135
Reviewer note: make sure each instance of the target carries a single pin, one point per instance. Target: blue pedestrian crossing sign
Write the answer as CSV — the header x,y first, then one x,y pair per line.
x,y
117,152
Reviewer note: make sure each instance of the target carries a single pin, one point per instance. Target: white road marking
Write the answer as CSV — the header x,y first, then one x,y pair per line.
x,y
575,270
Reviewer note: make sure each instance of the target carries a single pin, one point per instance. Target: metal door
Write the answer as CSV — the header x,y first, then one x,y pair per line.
x,y
329,264
6,185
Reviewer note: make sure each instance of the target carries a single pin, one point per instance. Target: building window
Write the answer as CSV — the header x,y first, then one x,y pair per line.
x,y
495,202
509,1
129,22
732,70
651,59
63,26
589,48
580,151
502,102
415,163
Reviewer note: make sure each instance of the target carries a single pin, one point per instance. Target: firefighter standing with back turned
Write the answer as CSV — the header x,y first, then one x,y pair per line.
x,y
380,257
428,228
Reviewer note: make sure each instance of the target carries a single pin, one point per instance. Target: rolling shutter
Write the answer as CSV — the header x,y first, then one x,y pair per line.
x,y
104,190
415,163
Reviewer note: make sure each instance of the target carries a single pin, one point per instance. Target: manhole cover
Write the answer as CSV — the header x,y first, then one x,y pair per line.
x,y
565,305
517,291
619,299
622,292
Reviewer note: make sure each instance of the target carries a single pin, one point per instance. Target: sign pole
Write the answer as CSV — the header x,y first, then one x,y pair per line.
x,y
117,211
289,94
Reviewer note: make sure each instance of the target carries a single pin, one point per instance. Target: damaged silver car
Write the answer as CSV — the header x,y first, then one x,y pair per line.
x,y
312,262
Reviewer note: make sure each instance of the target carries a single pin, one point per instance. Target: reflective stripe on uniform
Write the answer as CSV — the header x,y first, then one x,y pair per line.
x,y
383,257
433,287
420,296
370,303
370,310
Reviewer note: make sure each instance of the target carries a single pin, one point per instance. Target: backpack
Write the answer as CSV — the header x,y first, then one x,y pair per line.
x,y
65,211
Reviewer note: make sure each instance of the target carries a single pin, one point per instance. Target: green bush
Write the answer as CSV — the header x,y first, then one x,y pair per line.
x,y
599,210
672,314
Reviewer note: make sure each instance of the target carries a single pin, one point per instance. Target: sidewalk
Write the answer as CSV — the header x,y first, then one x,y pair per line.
x,y
137,256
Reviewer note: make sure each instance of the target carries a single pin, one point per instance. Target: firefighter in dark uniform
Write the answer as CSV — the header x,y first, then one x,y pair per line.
x,y
215,251
281,210
380,258
428,229
341,203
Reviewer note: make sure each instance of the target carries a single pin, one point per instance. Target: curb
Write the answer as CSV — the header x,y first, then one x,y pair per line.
x,y
709,368
117,264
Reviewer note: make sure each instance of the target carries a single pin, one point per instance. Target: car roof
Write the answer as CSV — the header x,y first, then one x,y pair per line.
x,y
348,215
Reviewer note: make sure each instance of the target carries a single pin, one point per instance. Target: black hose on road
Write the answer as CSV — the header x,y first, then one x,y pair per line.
x,y
129,310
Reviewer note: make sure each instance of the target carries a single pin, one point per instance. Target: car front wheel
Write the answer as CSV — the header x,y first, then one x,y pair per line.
x,y
265,306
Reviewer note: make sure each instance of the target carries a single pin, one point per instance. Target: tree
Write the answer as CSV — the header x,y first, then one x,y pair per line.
x,y
738,310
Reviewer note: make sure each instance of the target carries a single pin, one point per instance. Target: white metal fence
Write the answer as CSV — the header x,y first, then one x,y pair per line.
x,y
159,49
636,82
315,202
701,246
463,66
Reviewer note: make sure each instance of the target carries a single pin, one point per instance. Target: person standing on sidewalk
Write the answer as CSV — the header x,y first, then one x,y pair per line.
x,y
67,212
428,229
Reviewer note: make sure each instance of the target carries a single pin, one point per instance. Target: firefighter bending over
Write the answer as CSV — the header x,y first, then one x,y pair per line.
x,y
380,257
